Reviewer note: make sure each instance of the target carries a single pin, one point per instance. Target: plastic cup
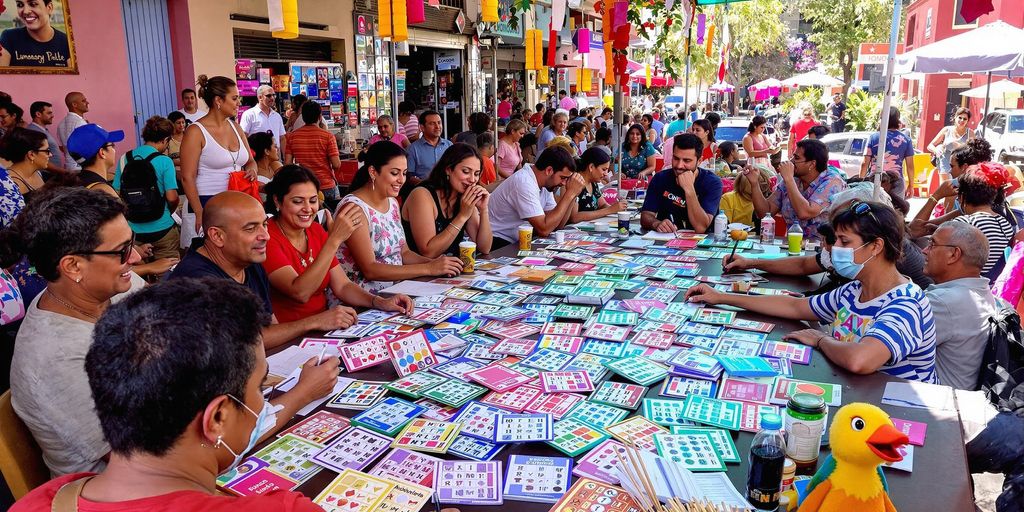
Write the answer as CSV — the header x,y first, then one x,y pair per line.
x,y
601,226
624,220
795,240
467,253
525,237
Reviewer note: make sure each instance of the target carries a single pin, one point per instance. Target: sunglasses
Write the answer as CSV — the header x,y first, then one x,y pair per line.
x,y
125,253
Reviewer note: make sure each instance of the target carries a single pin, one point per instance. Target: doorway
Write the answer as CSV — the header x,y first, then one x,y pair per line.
x,y
431,88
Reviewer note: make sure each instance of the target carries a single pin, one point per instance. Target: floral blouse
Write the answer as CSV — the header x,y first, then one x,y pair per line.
x,y
388,239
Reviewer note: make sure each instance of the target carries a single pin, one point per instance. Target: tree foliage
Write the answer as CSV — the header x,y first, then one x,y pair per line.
x,y
840,26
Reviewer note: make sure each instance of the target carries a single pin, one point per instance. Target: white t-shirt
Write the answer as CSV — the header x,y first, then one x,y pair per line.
x,y
254,120
193,117
518,198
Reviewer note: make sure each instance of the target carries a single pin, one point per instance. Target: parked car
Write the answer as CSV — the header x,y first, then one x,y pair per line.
x,y
735,128
848,149
1004,129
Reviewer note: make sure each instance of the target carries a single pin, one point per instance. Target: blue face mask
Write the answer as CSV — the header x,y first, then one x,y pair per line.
x,y
842,261
265,420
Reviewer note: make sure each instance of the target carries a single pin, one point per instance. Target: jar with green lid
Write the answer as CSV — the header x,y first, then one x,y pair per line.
x,y
805,422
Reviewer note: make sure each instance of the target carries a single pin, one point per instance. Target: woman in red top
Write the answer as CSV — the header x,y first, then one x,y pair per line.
x,y
179,406
301,262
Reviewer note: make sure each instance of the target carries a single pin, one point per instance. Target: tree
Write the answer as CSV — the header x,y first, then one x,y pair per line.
x,y
840,26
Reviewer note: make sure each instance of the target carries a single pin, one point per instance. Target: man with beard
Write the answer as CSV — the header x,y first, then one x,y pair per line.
x,y
683,196
528,197
234,247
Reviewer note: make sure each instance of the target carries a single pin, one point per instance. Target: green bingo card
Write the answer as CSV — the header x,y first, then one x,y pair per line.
x,y
722,440
664,412
711,411
573,437
454,392
695,451
638,369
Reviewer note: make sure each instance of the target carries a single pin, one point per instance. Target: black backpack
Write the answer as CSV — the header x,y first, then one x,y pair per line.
x,y
139,189
1002,366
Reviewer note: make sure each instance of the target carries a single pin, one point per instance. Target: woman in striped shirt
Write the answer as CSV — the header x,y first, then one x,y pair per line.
x,y
981,191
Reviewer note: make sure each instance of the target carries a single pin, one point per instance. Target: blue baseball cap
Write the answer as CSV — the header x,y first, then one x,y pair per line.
x,y
87,140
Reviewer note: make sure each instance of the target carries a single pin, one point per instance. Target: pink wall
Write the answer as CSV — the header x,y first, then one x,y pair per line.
x,y
181,45
98,31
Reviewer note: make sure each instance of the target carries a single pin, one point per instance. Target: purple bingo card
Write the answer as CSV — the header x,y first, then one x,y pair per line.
x,y
407,466
464,482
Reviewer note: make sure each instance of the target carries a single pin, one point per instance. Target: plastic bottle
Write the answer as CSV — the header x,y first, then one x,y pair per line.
x,y
767,459
721,221
768,229
795,239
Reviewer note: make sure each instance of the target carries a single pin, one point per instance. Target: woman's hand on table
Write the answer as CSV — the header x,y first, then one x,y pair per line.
x,y
398,303
704,293
736,263
809,337
445,266
318,380
338,317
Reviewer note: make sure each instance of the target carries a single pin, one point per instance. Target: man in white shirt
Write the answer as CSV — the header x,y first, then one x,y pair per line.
x,y
528,197
961,302
78,106
263,118
190,105
42,116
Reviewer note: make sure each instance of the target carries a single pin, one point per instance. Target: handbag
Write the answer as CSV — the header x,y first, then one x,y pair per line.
x,y
12,303
238,181
1010,283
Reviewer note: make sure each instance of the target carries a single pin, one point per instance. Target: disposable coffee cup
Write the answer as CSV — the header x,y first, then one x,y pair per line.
x,y
559,237
467,253
525,237
624,220
600,226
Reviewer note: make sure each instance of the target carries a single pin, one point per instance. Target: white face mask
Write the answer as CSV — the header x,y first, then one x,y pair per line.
x,y
265,421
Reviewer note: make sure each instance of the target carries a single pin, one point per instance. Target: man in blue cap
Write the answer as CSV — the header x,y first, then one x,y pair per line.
x,y
93,148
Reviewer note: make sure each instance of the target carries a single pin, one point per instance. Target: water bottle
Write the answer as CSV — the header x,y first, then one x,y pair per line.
x,y
767,459
768,229
721,221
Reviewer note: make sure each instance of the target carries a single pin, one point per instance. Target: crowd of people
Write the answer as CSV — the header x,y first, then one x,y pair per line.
x,y
240,222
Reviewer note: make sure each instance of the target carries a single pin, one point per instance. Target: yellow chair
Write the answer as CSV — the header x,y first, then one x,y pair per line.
x,y
21,460
923,170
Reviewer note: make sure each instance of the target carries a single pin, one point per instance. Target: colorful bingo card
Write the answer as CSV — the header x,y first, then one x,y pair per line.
x,y
611,317
573,437
711,411
405,497
365,353
800,354
566,382
510,329
573,312
289,456
714,316
454,392
388,415
514,346
319,428
518,428
457,368
721,439
555,404
468,483
356,448
600,462
750,415
477,420
498,378
697,329
537,479
611,349
664,412
655,339
598,415
639,370
619,394
436,411
411,353
591,495
427,435
637,430
784,389
515,400
695,450
358,395
414,384
746,389
738,348
562,328
474,449
750,325
682,387
567,344
547,360
353,491
252,478
435,316
607,332
408,466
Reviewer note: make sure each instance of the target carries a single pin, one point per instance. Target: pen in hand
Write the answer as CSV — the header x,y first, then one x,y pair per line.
x,y
320,359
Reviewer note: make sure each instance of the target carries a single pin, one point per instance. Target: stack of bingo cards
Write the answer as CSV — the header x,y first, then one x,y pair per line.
x,y
461,482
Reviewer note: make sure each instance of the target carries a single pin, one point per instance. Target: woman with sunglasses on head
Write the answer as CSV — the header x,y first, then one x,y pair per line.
x,y
449,206
974,152
949,139
880,321
377,254
301,263
81,243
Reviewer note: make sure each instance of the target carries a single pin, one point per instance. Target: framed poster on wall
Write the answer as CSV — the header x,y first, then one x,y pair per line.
x,y
36,37
373,69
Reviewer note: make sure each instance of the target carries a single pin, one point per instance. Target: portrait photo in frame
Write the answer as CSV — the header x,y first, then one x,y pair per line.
x,y
36,37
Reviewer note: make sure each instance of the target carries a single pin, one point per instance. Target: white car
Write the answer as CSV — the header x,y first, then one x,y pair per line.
x,y
733,129
1004,129
848,149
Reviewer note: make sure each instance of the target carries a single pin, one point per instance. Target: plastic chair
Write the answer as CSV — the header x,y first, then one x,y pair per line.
x,y
21,460
923,170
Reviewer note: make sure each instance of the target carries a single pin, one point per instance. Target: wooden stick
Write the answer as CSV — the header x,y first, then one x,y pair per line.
x,y
629,475
642,472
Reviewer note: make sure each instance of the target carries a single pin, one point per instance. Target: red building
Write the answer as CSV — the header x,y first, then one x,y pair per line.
x,y
929,21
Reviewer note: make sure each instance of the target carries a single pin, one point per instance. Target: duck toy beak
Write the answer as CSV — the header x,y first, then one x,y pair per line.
x,y
885,441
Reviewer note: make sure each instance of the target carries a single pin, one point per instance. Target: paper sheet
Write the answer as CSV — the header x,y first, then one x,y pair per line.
x,y
919,395
293,379
654,235
417,288
287,360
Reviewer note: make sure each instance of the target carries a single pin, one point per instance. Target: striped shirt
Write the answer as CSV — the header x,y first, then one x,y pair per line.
x,y
312,148
999,233
901,319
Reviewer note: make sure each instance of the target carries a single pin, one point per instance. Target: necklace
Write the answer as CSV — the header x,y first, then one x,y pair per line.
x,y
71,307
309,248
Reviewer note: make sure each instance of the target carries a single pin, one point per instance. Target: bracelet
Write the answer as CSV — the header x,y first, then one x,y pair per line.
x,y
933,198
817,343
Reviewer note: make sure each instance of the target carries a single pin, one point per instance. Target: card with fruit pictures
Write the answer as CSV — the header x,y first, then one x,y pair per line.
x,y
354,491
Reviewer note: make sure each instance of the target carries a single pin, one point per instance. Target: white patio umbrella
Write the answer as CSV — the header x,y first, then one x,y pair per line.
x,y
1002,94
812,79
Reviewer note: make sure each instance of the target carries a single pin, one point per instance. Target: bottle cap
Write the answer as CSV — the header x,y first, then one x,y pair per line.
x,y
771,421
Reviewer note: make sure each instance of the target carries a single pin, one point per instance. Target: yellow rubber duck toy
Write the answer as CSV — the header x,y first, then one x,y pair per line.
x,y
850,479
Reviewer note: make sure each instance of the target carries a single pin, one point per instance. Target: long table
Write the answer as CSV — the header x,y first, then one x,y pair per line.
x,y
940,480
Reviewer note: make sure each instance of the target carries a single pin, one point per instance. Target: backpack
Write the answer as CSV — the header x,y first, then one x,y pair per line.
x,y
1002,366
139,190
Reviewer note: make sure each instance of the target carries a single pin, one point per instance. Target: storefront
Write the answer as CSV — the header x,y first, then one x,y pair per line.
x,y
373,74
434,81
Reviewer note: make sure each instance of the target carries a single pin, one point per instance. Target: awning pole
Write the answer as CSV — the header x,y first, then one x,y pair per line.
x,y
988,90
894,32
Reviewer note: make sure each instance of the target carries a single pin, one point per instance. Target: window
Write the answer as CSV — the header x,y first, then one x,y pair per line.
x,y
998,123
837,146
911,29
857,146
1016,124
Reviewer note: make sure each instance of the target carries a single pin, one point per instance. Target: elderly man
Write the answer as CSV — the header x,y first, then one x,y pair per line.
x,y
235,244
78,106
263,118
961,302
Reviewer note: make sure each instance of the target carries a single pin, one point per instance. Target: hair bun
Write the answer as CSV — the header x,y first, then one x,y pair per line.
x,y
201,80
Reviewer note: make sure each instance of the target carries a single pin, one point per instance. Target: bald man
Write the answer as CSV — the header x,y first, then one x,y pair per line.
x,y
235,244
961,302
77,105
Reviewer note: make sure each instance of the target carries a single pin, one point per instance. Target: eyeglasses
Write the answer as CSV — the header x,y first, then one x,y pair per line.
x,y
125,252
931,244
48,151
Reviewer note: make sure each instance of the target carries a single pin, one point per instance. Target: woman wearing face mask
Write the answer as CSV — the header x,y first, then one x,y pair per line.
x,y
301,262
377,254
178,406
449,206
880,321
590,204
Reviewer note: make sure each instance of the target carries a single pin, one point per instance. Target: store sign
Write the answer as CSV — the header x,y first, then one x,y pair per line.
x,y
460,22
447,60
503,28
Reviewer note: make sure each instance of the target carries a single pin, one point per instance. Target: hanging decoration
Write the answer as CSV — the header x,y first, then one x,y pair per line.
x,y
609,64
585,78
531,50
552,48
710,40
583,41
723,57
284,18
557,15
542,76
647,75
400,22
414,8
701,21
384,20
489,11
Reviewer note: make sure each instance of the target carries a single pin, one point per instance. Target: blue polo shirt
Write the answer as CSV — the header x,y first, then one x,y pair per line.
x,y
423,156
165,180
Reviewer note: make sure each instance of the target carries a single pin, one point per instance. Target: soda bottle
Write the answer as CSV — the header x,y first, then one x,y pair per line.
x,y
721,221
768,229
767,459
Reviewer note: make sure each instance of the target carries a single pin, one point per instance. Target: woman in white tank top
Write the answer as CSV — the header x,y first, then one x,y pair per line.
x,y
213,147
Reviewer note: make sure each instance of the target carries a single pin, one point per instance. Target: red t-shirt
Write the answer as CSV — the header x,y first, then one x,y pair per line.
x,y
487,172
41,499
281,253
312,147
800,129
